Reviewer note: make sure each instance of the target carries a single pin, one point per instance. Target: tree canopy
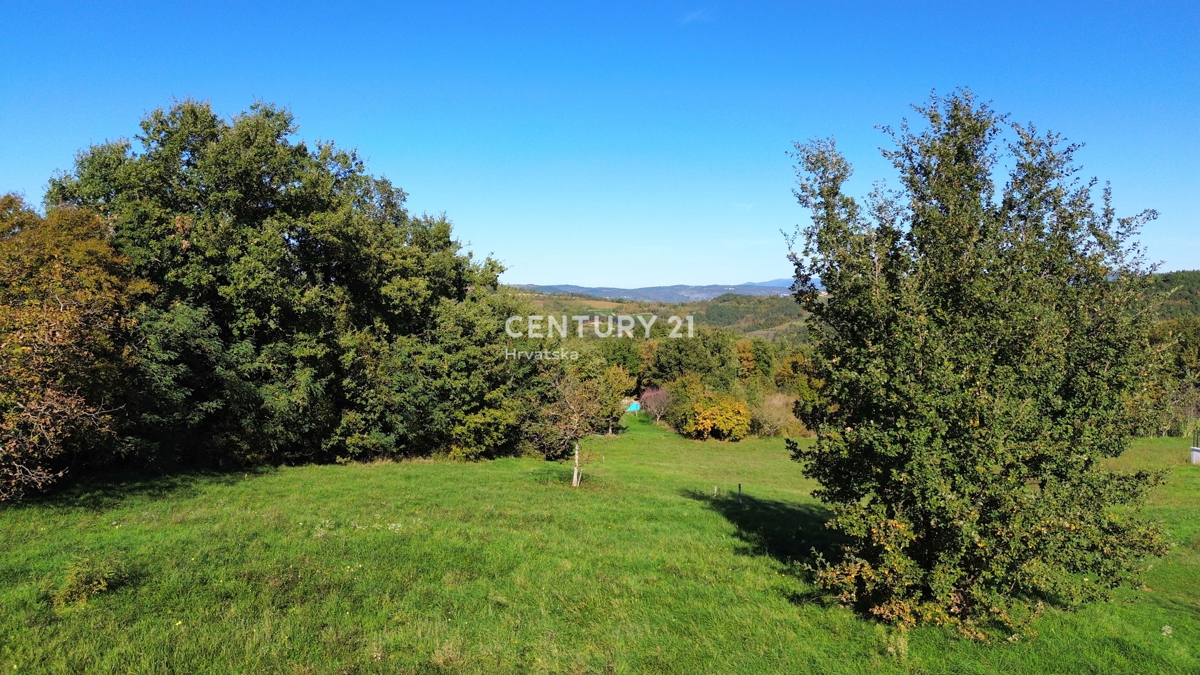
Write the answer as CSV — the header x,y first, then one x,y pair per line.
x,y
301,312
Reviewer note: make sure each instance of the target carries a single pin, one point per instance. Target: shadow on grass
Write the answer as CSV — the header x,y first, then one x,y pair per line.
x,y
559,474
552,474
107,491
794,534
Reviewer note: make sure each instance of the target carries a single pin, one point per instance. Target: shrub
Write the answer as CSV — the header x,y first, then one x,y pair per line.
x,y
88,577
697,412
774,417
720,416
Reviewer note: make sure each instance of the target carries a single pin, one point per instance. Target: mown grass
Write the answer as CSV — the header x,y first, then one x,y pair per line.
x,y
497,567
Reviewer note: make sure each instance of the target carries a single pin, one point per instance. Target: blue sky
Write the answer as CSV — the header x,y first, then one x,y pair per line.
x,y
620,144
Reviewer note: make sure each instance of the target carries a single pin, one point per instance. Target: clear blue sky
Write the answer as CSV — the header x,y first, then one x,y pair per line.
x,y
620,144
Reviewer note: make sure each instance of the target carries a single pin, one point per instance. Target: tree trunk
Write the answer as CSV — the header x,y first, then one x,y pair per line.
x,y
575,479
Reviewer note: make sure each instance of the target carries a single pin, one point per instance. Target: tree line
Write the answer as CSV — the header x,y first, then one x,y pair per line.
x,y
217,293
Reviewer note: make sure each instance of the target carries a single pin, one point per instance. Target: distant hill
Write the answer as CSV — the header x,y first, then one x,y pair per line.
x,y
785,283
1186,299
667,293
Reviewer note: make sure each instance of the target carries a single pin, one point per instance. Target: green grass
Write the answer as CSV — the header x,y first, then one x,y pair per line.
x,y
498,567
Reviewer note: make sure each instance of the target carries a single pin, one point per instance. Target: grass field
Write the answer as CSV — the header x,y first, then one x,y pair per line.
x,y
497,567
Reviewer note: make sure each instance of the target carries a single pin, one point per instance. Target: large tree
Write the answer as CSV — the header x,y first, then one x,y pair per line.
x,y
980,350
302,312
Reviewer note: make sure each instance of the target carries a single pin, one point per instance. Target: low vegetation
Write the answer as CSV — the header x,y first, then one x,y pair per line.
x,y
439,566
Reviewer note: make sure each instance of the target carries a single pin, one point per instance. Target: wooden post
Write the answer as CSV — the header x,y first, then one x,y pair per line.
x,y
739,493
714,490
576,477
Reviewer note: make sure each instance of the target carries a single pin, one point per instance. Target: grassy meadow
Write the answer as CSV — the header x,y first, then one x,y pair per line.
x,y
500,566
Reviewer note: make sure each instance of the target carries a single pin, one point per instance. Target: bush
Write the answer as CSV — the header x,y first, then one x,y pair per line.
x,y
775,417
719,416
88,577
697,412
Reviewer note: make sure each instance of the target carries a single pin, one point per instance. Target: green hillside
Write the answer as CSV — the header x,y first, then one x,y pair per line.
x,y
757,316
1185,300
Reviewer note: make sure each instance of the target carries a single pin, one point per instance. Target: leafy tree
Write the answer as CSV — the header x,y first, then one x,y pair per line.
x,y
302,313
584,397
683,392
765,355
795,377
709,354
624,352
615,385
64,301
980,352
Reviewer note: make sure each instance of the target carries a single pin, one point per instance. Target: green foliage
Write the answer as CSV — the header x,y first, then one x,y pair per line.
x,y
979,355
756,358
682,393
1180,339
302,313
581,397
770,317
746,313
616,385
625,352
709,355
698,412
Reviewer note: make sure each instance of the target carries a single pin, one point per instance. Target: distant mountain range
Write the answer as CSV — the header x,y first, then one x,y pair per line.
x,y
668,293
